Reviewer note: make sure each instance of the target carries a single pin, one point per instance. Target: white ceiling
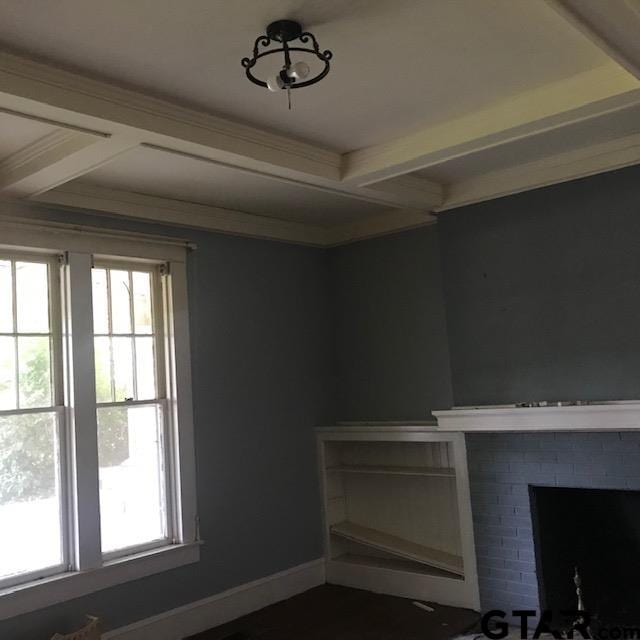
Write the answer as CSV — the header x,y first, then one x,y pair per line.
x,y
430,105
399,65
169,175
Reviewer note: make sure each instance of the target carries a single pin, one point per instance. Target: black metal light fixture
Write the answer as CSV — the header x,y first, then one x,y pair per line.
x,y
293,75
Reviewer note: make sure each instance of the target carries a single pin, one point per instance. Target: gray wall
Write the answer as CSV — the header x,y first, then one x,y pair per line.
x,y
542,293
542,299
392,358
261,350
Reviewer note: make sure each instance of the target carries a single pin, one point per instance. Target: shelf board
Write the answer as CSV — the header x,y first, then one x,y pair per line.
x,y
437,472
399,547
395,564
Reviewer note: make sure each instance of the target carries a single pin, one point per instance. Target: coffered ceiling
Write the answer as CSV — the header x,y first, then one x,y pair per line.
x,y
141,109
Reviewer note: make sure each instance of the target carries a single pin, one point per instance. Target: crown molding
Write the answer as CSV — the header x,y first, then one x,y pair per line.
x,y
89,199
563,167
385,224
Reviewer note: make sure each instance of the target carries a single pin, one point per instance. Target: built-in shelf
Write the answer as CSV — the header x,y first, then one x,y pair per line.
x,y
438,472
397,511
399,547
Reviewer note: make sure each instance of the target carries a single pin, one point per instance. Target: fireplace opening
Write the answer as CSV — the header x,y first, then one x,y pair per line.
x,y
597,531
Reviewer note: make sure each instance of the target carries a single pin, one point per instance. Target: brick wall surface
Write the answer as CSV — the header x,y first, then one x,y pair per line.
x,y
501,468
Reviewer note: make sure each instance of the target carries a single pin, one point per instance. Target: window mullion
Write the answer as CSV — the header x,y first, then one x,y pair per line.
x,y
82,402
16,364
134,357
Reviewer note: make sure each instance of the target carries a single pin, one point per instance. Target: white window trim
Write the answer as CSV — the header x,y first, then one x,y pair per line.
x,y
51,590
93,572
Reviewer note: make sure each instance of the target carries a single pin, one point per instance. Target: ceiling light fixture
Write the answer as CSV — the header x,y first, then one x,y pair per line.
x,y
293,75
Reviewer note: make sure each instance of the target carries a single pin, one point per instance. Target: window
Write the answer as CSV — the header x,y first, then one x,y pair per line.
x,y
31,421
131,407
96,444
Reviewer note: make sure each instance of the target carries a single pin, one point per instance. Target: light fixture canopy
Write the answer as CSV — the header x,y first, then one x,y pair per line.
x,y
292,75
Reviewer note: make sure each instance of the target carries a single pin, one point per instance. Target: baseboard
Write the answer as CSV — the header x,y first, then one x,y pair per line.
x,y
223,607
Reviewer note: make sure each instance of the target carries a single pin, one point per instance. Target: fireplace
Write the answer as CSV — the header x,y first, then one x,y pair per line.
x,y
597,531
587,447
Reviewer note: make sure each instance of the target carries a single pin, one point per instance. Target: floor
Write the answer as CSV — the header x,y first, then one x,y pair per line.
x,y
331,612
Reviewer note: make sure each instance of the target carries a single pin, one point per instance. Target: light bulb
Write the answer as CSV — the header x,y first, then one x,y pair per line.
x,y
275,83
298,71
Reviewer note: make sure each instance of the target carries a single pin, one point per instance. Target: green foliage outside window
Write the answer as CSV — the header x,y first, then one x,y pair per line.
x,y
28,446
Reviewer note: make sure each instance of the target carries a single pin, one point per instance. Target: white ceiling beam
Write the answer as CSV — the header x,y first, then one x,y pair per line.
x,y
598,91
613,26
88,198
178,213
55,159
54,95
408,191
41,90
404,192
570,165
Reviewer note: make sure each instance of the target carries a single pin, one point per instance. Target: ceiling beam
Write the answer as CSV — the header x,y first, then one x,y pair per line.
x,y
586,95
403,192
55,159
178,213
613,26
89,198
55,94
570,165
70,100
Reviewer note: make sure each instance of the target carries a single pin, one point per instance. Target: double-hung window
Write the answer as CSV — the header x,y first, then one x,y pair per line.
x,y
96,444
32,421
131,407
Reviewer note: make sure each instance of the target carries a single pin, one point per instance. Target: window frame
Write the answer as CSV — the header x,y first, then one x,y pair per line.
x,y
87,568
158,333
57,406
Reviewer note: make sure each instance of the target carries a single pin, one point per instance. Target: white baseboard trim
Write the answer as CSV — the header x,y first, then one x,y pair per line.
x,y
223,607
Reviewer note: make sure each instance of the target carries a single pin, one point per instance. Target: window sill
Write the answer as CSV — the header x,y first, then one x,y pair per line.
x,y
60,588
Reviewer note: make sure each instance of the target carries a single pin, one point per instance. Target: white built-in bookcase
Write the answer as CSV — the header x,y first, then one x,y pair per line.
x,y
397,513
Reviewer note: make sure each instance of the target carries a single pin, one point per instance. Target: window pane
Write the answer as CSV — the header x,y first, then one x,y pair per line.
x,y
6,297
122,368
34,372
7,373
100,307
120,302
30,536
101,347
32,292
145,369
142,301
132,503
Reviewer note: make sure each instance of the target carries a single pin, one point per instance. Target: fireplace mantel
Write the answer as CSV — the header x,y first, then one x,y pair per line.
x,y
612,416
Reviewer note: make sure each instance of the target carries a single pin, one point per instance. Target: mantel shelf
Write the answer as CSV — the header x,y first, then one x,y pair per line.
x,y
399,547
436,472
612,416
